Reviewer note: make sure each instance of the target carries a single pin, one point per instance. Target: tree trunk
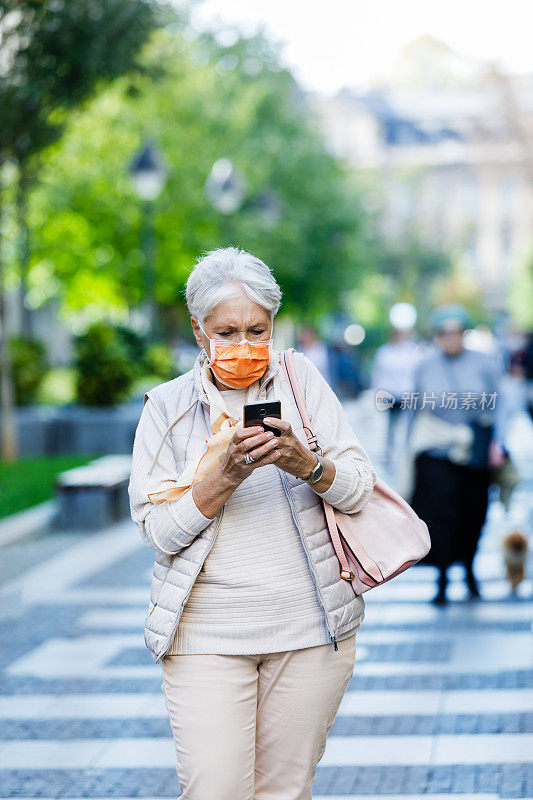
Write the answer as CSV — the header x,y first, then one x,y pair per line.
x,y
8,430
24,251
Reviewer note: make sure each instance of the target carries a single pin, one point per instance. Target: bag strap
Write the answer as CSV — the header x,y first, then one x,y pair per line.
x,y
290,373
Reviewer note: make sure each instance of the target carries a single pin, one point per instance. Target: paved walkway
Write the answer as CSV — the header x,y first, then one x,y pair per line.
x,y
440,705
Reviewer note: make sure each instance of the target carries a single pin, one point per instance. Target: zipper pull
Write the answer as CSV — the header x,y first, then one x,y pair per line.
x,y
333,639
152,611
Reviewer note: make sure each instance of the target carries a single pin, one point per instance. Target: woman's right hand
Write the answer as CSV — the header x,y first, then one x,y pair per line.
x,y
259,443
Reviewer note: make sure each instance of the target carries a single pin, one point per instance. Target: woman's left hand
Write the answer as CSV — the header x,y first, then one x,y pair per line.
x,y
295,457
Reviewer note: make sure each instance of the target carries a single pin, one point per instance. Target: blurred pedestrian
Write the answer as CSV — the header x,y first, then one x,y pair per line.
x,y
345,373
453,436
513,392
528,372
336,361
316,350
393,371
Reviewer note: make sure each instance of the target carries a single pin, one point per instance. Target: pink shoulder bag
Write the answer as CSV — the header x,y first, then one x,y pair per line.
x,y
383,539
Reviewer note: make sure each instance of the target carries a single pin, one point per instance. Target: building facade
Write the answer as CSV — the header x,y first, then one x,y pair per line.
x,y
450,143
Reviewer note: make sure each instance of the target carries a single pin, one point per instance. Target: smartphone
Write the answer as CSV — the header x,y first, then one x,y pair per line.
x,y
253,414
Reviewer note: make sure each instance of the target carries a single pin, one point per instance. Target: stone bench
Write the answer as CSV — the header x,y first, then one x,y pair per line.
x,y
95,495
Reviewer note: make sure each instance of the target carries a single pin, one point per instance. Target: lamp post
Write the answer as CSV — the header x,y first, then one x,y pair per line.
x,y
149,177
225,187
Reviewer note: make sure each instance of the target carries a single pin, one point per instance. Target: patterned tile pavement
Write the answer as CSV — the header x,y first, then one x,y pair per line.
x,y
440,704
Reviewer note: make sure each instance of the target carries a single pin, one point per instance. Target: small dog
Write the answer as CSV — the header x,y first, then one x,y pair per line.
x,y
515,547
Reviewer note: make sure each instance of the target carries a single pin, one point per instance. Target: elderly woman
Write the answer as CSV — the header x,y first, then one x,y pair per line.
x,y
460,443
248,612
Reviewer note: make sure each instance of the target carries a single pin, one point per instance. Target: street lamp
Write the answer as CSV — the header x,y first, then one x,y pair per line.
x,y
149,177
225,187
148,172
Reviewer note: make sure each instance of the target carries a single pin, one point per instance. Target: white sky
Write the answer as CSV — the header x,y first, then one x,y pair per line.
x,y
346,42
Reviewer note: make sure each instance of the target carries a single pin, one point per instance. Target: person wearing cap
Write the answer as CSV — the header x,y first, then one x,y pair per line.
x,y
455,398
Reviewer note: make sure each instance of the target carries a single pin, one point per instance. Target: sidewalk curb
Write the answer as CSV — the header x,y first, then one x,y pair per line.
x,y
25,523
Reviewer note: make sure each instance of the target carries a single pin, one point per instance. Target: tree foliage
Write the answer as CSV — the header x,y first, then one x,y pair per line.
x,y
54,53
104,370
200,102
30,364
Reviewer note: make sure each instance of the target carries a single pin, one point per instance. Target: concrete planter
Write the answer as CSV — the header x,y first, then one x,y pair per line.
x,y
34,426
77,429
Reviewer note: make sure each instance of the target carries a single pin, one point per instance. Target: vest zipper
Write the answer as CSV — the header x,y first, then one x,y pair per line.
x,y
302,538
160,589
201,565
309,560
180,609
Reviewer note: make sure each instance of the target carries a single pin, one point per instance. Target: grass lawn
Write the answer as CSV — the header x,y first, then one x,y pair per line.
x,y
31,480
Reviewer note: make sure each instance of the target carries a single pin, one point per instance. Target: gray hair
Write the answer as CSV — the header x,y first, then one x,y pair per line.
x,y
224,274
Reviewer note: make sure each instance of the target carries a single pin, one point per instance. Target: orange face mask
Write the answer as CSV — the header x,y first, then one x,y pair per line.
x,y
238,364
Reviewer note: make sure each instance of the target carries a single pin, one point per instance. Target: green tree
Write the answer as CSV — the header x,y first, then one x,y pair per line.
x,y
104,369
54,54
29,368
200,102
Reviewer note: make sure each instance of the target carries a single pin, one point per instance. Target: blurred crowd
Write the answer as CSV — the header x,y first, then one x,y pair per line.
x,y
450,401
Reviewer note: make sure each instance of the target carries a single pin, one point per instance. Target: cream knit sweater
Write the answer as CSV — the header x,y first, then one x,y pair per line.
x,y
254,593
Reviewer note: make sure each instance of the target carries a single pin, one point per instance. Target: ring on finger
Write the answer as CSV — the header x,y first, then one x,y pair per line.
x,y
248,458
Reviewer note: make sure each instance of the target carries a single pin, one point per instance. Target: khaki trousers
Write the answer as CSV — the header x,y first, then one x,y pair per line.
x,y
254,727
